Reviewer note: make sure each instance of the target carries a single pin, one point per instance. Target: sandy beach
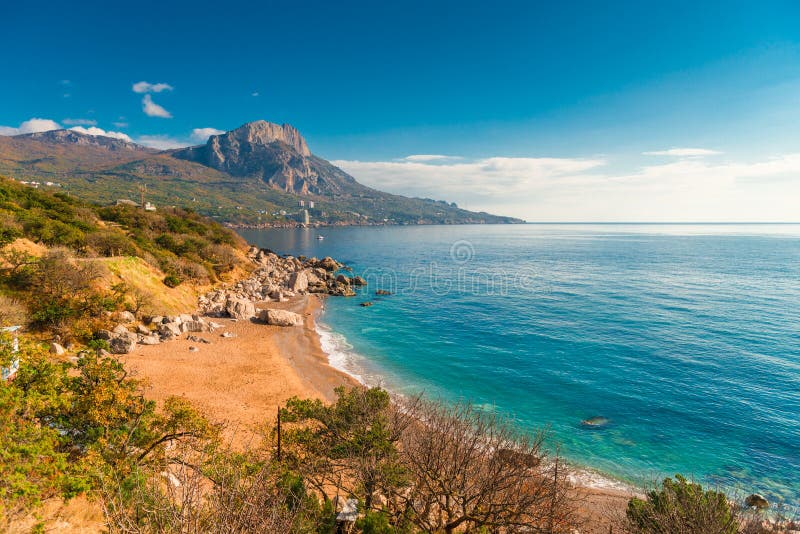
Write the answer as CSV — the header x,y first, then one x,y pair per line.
x,y
241,380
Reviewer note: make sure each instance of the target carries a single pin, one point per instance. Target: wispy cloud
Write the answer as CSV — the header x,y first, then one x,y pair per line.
x,y
254,93
201,135
147,87
161,142
80,122
683,152
151,109
429,158
33,125
93,130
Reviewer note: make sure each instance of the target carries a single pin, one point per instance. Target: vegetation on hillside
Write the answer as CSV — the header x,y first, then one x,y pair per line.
x,y
61,289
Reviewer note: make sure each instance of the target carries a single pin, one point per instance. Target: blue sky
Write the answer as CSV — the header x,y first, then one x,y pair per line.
x,y
545,110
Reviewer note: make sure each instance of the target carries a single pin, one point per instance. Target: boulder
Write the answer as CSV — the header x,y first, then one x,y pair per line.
x,y
155,319
281,318
756,501
141,329
120,330
149,340
328,263
298,281
169,329
57,349
358,281
126,317
366,304
342,279
239,308
122,344
383,292
194,326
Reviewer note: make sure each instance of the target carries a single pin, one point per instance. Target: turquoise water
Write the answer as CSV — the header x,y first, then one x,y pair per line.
x,y
686,337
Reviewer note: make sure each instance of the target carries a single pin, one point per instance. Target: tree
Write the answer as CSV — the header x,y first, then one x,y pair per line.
x,y
471,471
681,507
350,445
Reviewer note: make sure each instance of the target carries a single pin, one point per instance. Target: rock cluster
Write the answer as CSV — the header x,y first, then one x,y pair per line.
x,y
276,279
156,329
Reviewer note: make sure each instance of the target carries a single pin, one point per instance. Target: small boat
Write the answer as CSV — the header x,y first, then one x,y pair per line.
x,y
320,237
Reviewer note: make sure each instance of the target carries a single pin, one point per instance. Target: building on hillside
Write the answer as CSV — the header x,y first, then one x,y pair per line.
x,y
302,203
9,371
311,204
149,207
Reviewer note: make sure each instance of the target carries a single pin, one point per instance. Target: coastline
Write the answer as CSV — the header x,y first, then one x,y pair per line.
x,y
247,377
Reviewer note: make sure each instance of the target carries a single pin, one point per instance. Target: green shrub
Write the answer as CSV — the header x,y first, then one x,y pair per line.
x,y
681,506
172,281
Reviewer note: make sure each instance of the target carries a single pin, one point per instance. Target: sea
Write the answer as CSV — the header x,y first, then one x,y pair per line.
x,y
685,338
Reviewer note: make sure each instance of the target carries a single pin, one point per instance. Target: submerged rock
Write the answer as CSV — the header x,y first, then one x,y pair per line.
x,y
595,422
366,304
383,292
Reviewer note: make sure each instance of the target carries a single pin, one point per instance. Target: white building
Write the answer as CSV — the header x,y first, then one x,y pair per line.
x,y
311,204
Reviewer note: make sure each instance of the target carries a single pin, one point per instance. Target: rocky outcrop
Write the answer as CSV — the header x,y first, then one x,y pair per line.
x,y
281,318
756,501
276,279
275,154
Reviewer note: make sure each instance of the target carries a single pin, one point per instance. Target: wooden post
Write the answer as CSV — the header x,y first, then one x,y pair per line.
x,y
279,433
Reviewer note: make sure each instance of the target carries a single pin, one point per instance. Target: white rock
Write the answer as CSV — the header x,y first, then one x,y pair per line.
x,y
57,349
281,318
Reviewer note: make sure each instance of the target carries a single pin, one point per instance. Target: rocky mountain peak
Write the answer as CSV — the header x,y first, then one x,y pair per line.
x,y
263,133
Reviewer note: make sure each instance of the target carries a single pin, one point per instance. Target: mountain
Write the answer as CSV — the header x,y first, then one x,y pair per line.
x,y
259,173
67,137
278,155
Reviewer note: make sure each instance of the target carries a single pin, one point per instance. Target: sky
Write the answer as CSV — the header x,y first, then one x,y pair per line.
x,y
548,111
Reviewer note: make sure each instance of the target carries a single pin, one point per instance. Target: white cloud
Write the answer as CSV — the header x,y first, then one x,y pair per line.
x,y
80,122
563,189
146,87
151,109
683,152
34,125
201,135
161,142
93,130
254,93
489,177
120,124
429,158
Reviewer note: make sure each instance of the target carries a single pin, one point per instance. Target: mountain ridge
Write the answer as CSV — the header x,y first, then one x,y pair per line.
x,y
258,174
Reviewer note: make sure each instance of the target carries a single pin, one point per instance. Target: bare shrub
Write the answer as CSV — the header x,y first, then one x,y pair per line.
x,y
470,470
12,311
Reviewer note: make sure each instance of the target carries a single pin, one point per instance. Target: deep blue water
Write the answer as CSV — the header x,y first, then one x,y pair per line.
x,y
686,337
